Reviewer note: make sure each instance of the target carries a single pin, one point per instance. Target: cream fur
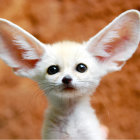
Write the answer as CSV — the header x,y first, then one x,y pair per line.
x,y
69,115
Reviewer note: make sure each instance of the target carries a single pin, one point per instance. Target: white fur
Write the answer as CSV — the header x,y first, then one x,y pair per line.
x,y
69,114
72,119
30,53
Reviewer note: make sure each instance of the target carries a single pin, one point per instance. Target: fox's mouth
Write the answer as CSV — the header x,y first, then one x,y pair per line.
x,y
68,88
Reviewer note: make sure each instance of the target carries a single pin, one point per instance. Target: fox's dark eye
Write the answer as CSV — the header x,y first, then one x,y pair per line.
x,y
53,70
81,67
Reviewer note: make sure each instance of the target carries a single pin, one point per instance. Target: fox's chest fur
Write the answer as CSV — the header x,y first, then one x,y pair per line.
x,y
72,122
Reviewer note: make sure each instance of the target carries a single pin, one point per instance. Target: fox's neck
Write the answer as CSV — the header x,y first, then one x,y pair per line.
x,y
68,105
65,115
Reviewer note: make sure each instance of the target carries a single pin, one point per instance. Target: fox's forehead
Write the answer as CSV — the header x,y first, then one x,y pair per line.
x,y
67,55
67,48
68,52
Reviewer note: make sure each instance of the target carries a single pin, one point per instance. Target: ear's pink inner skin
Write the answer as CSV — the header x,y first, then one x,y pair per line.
x,y
17,52
116,44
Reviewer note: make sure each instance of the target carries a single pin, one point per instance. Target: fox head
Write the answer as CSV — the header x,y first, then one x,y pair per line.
x,y
66,68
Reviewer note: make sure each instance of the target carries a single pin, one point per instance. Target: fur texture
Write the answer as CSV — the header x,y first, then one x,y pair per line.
x,y
70,115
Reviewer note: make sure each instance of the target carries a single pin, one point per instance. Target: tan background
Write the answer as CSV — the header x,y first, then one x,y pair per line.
x,y
117,100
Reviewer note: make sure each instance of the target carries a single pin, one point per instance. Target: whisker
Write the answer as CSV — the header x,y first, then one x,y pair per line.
x,y
86,81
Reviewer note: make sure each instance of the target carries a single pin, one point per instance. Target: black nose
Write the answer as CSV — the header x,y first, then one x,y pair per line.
x,y
67,80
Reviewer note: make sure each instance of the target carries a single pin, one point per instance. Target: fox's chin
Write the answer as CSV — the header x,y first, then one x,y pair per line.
x,y
69,93
66,92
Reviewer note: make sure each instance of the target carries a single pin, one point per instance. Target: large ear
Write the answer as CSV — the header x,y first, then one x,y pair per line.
x,y
19,49
116,43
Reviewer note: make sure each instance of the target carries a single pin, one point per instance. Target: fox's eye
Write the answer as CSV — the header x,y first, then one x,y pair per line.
x,y
53,70
81,67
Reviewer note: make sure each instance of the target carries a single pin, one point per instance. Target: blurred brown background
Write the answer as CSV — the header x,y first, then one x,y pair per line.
x,y
117,99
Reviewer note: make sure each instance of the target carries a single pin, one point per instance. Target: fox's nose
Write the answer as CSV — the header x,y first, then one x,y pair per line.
x,y
67,79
